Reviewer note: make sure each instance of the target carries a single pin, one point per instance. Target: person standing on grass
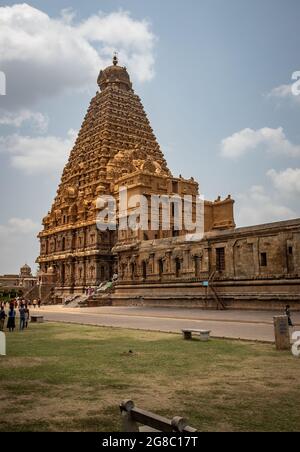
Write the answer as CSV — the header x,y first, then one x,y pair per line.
x,y
288,314
27,317
22,312
11,323
2,318
34,304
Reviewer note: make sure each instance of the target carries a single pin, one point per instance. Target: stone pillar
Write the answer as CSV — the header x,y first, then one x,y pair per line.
x,y
169,263
206,264
296,239
282,333
230,270
72,274
84,266
186,262
256,257
152,263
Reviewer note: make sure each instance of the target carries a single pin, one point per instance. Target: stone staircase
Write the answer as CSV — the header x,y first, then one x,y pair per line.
x,y
219,302
32,294
102,297
76,301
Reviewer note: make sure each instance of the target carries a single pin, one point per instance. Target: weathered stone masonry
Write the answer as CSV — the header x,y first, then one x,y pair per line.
x,y
257,267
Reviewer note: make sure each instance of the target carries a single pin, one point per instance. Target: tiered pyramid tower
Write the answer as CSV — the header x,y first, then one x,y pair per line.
x,y
115,139
115,147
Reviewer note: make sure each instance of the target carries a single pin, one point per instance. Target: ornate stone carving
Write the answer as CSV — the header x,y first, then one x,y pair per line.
x,y
115,144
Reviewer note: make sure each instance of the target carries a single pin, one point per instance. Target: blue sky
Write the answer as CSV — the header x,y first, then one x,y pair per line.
x,y
214,77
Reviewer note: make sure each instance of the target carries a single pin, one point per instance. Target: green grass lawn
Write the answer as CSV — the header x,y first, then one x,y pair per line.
x,y
72,378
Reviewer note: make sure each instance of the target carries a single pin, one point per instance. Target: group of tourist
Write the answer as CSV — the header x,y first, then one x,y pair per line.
x,y
24,313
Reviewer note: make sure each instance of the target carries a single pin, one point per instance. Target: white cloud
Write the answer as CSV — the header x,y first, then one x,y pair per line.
x,y
18,243
68,15
134,40
284,92
44,154
43,56
247,140
281,91
287,181
258,207
16,119
18,226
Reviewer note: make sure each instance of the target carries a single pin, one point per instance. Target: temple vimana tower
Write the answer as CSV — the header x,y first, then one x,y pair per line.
x,y
227,267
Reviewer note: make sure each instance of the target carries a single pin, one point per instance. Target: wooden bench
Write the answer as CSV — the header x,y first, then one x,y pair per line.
x,y
188,333
132,416
37,319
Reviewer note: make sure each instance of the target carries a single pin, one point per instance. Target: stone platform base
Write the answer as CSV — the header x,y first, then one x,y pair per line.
x,y
248,295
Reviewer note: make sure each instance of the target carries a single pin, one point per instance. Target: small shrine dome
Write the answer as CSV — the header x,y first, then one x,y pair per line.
x,y
25,270
114,75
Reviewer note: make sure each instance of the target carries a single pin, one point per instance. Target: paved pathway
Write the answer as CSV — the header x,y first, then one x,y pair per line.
x,y
249,325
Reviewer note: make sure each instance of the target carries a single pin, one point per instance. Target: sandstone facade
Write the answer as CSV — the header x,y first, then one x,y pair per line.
x,y
23,282
115,148
252,268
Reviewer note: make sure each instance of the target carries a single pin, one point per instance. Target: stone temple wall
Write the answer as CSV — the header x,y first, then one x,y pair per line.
x,y
116,147
256,267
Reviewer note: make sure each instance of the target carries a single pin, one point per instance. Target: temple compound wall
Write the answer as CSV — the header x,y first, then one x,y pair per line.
x,y
251,268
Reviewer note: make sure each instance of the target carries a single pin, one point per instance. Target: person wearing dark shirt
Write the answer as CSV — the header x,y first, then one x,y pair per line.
x,y
11,323
27,317
22,312
2,318
288,314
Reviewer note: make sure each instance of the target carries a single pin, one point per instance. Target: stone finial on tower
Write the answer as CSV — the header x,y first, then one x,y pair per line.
x,y
114,75
115,59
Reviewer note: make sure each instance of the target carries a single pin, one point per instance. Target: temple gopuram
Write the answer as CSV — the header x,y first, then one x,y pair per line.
x,y
228,267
